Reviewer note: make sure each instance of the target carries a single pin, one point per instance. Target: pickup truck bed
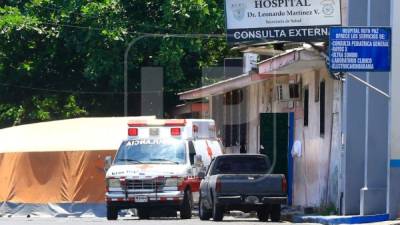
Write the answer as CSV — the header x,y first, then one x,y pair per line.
x,y
242,182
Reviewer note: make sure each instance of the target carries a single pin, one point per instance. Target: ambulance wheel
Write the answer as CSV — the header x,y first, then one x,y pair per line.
x,y
112,213
143,214
187,205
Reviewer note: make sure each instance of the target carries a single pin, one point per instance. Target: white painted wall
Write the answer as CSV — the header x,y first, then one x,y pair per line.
x,y
313,171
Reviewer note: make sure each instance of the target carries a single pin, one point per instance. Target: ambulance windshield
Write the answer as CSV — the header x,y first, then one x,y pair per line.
x,y
151,151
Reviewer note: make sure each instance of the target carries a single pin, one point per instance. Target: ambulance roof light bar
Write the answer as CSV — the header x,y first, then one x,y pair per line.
x,y
137,123
175,122
133,131
175,131
155,123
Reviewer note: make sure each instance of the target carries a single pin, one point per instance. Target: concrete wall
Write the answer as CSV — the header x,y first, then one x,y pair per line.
x,y
365,125
312,176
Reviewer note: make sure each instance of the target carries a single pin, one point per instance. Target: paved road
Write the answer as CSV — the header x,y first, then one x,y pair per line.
x,y
132,220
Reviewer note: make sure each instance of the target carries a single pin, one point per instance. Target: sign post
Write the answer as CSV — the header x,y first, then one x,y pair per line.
x,y
285,20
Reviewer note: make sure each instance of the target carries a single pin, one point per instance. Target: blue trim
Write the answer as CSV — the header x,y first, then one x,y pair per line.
x,y
395,163
290,158
342,219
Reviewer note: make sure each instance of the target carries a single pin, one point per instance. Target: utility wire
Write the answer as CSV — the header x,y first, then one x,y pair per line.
x,y
81,92
97,16
164,35
74,26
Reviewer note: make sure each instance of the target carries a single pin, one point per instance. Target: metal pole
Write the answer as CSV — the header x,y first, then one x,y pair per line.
x,y
146,35
369,85
126,70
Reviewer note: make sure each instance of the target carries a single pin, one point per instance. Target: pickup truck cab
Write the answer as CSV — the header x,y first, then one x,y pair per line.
x,y
155,169
241,182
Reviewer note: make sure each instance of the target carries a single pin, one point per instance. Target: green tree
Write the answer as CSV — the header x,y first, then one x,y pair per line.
x,y
64,59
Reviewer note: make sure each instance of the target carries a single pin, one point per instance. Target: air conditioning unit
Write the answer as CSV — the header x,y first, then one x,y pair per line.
x,y
250,62
288,92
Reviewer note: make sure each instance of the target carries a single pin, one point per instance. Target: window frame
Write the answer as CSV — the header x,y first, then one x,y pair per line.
x,y
192,152
306,106
322,107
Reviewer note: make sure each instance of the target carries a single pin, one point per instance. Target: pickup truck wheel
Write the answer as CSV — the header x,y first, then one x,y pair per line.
x,y
204,214
187,206
262,214
143,214
112,213
275,213
217,212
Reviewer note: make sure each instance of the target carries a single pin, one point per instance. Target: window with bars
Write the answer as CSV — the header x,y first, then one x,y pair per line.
x,y
305,108
322,108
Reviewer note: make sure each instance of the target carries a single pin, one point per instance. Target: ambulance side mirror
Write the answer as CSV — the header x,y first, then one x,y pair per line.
x,y
201,174
107,163
198,161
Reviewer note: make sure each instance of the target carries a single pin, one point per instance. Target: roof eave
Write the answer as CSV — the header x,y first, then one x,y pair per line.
x,y
295,61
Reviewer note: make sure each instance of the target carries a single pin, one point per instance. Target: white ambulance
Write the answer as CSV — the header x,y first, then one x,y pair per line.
x,y
157,168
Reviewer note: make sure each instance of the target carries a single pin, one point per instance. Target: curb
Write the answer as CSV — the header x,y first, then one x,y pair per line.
x,y
331,220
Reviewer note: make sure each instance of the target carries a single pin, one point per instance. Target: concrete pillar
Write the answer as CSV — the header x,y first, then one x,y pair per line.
x,y
393,197
373,194
354,125
354,102
366,124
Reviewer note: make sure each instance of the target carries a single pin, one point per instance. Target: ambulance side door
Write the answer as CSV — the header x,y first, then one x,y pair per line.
x,y
195,181
192,154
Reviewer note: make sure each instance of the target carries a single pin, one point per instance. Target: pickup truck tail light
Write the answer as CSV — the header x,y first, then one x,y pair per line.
x,y
284,184
218,186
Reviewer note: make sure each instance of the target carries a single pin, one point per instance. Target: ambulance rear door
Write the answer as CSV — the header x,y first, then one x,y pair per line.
x,y
207,149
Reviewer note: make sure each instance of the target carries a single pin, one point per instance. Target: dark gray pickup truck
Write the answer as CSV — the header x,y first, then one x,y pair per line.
x,y
241,182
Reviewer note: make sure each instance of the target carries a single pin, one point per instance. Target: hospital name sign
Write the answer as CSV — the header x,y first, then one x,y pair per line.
x,y
287,20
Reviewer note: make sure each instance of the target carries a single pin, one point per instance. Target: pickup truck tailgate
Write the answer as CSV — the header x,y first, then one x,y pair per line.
x,y
270,184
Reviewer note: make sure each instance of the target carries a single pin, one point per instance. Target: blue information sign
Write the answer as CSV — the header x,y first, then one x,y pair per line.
x,y
359,49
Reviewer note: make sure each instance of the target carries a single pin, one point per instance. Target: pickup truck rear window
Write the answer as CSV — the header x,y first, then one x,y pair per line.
x,y
241,165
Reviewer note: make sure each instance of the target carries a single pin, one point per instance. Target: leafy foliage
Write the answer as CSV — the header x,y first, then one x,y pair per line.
x,y
64,59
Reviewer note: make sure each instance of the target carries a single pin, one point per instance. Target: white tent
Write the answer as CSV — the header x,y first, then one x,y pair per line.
x,y
57,168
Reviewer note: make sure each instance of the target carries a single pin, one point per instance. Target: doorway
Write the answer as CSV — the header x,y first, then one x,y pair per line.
x,y
276,140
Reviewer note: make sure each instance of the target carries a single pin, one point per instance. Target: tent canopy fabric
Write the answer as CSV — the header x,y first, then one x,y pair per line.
x,y
60,162
82,134
53,177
